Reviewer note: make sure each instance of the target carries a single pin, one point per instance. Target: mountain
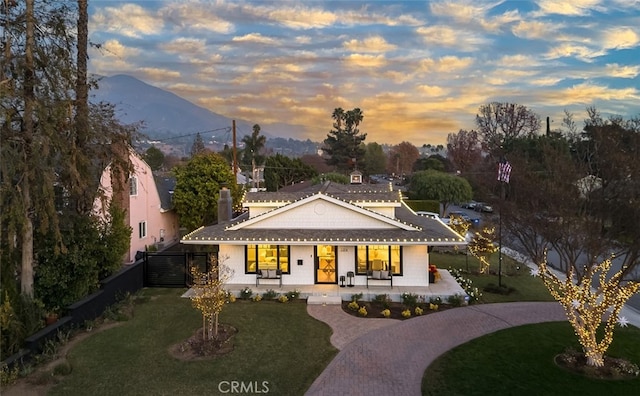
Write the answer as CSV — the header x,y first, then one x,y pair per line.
x,y
163,114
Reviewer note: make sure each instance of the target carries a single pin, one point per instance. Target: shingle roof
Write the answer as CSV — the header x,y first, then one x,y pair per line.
x,y
431,231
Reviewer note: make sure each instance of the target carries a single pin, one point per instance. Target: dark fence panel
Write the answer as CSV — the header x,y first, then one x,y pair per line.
x,y
114,288
167,269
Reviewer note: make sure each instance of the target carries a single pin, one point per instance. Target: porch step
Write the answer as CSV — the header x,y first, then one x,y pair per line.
x,y
324,300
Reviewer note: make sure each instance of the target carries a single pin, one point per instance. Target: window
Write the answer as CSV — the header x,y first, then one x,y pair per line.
x,y
379,257
266,257
133,185
142,229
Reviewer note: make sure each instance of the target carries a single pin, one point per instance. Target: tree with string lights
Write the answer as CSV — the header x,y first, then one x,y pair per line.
x,y
572,207
209,295
482,247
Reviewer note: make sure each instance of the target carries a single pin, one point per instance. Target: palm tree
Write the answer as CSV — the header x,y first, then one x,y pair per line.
x,y
254,145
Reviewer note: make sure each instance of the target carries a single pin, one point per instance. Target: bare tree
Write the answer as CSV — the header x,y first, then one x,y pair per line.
x,y
401,158
464,150
498,123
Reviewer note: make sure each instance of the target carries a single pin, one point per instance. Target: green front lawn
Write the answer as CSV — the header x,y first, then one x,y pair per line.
x,y
514,275
519,361
277,343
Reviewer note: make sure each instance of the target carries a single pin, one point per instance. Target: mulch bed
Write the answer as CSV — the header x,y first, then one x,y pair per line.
x,y
198,348
613,369
374,309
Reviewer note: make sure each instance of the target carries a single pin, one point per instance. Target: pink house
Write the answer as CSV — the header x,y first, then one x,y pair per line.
x,y
153,222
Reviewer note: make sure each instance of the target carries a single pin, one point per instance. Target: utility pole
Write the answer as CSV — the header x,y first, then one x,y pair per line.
x,y
235,159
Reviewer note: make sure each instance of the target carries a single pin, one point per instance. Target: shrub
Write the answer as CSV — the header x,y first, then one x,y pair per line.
x,y
283,299
504,289
410,300
354,306
356,297
257,298
270,295
433,307
292,295
435,300
386,313
246,293
362,311
406,313
231,298
382,300
418,311
455,300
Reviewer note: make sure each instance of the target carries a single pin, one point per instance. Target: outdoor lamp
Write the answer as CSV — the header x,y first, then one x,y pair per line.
x,y
350,275
342,279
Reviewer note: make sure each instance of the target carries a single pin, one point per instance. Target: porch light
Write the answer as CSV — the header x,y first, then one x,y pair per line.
x,y
342,280
350,275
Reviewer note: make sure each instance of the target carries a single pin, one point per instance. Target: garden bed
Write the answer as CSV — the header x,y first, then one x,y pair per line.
x,y
374,309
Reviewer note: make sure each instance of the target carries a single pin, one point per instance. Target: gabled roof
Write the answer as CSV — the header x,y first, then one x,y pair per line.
x,y
165,185
405,228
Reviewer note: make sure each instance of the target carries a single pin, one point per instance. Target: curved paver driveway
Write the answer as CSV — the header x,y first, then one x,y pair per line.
x,y
391,360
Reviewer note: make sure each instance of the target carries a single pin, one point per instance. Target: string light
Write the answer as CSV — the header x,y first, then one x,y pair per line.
x,y
591,309
209,295
482,247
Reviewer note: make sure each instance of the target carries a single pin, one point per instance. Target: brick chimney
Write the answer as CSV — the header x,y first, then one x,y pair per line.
x,y
224,205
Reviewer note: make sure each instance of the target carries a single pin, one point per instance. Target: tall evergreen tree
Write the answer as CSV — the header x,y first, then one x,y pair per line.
x,y
343,143
198,146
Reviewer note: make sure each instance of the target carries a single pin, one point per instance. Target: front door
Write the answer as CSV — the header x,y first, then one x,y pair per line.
x,y
326,264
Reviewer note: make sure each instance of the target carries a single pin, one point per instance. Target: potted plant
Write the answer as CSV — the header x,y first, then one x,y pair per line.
x,y
51,316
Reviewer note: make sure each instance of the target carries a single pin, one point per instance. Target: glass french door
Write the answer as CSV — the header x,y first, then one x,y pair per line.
x,y
326,264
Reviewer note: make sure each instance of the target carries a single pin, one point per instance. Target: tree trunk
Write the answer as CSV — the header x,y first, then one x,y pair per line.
x,y
26,274
83,203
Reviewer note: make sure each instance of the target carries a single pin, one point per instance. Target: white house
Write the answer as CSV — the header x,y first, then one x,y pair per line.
x,y
365,233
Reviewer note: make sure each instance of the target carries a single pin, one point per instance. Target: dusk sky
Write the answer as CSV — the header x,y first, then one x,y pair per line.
x,y
418,70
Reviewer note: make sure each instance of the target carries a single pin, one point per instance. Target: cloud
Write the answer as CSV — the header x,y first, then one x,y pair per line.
x,y
569,7
536,30
130,20
362,60
196,16
154,73
620,38
370,44
185,46
615,70
445,64
466,13
586,94
255,38
568,50
445,36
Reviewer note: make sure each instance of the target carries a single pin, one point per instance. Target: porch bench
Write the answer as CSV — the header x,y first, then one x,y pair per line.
x,y
269,274
382,276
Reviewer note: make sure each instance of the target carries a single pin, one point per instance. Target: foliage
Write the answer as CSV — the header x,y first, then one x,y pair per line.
x,y
467,284
115,239
353,305
20,316
65,277
333,177
154,158
423,205
343,143
197,190
402,157
498,123
198,146
209,296
270,294
357,297
406,313
375,159
253,155
382,300
282,171
283,298
410,300
57,143
435,162
443,187
418,311
386,313
293,294
464,150
362,311
246,293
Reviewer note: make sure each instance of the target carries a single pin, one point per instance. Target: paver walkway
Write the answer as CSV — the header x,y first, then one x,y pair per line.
x,y
390,358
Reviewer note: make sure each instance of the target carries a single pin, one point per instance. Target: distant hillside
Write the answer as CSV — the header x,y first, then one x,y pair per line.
x,y
163,113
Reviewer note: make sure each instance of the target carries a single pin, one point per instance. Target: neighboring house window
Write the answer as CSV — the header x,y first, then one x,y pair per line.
x,y
133,185
142,229
379,257
266,257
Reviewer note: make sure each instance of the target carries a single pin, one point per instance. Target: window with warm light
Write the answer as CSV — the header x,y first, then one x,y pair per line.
x,y
379,258
259,257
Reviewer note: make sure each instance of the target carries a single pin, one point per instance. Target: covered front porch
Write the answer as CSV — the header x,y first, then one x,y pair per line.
x,y
444,288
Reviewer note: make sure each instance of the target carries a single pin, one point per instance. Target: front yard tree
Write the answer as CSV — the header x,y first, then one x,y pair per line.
x,y
375,160
343,143
197,190
209,295
441,187
571,206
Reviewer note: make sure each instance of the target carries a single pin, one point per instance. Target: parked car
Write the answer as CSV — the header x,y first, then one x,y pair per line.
x,y
469,205
465,217
483,207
